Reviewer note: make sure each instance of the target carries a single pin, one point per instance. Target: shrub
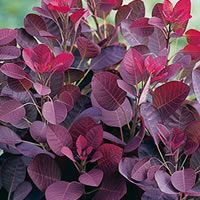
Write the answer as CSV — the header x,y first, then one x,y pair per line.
x,y
94,110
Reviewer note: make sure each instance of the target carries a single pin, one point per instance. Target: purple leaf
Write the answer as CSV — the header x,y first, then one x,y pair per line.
x,y
64,191
133,65
195,81
151,118
87,48
119,117
7,36
126,166
109,56
142,27
195,160
130,36
22,191
41,89
7,136
112,187
38,131
157,41
54,112
163,180
12,111
67,99
25,40
92,178
106,91
34,24
110,137
9,52
157,194
184,180
68,152
43,171
168,102
14,173
58,137
130,90
31,150
14,71
135,141
139,172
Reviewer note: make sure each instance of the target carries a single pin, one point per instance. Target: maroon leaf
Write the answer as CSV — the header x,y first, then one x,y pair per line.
x,y
22,191
58,137
7,136
112,155
106,91
183,180
41,89
14,173
12,111
34,24
92,178
14,71
168,97
54,112
38,131
7,36
163,180
64,191
87,48
43,171
9,52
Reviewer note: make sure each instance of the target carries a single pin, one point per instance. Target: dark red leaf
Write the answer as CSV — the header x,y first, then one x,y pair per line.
x,y
168,97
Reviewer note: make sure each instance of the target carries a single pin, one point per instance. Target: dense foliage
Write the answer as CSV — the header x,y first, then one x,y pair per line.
x,y
93,110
